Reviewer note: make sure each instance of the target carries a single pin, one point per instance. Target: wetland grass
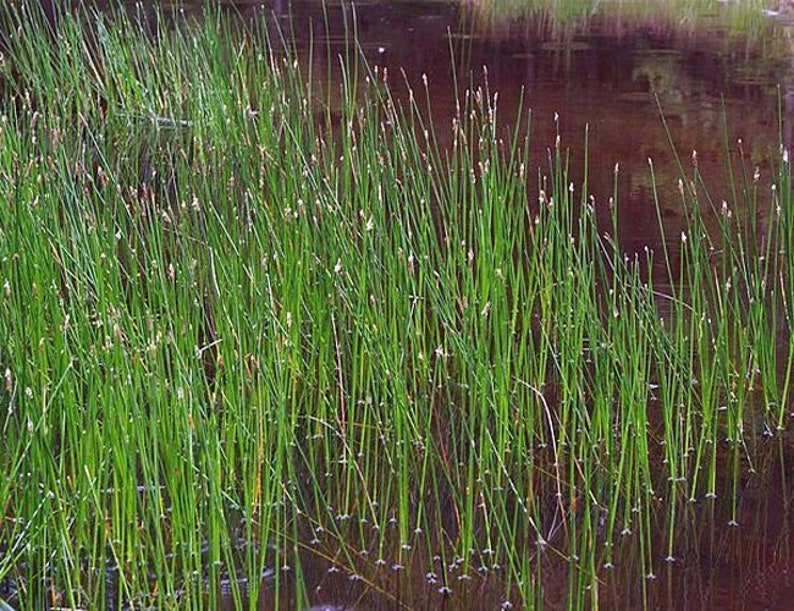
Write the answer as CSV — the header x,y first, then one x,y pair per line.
x,y
240,344
748,18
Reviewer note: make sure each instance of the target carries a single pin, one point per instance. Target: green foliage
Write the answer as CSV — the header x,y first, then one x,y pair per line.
x,y
241,331
745,16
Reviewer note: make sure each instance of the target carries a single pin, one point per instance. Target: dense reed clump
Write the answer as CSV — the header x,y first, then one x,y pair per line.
x,y
252,324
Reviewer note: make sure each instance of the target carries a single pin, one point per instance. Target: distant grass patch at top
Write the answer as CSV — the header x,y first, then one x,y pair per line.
x,y
746,17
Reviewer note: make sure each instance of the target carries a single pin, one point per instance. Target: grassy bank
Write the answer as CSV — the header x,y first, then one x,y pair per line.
x,y
746,17
243,337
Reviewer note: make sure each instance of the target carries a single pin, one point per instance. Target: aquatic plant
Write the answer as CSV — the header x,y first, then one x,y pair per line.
x,y
261,335
748,17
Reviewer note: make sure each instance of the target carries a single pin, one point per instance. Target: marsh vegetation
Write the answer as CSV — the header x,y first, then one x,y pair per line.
x,y
272,339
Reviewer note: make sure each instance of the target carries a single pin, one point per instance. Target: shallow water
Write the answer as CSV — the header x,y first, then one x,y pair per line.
x,y
741,563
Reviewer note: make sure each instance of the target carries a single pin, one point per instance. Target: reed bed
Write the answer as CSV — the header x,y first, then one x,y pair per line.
x,y
742,19
242,336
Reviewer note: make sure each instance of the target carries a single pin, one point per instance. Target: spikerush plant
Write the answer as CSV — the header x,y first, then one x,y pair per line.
x,y
236,339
